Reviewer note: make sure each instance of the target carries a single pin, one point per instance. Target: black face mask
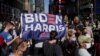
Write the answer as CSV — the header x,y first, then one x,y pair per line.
x,y
10,31
52,37
77,34
84,33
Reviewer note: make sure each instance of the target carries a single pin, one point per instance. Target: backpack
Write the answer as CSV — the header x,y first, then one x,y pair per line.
x,y
3,47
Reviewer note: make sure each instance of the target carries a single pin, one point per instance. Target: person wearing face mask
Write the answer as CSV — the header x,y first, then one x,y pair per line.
x,y
84,32
71,35
82,50
69,45
8,38
88,27
90,47
86,35
51,46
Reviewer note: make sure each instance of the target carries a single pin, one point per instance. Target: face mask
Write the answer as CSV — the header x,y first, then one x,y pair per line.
x,y
73,39
13,27
14,33
77,34
88,45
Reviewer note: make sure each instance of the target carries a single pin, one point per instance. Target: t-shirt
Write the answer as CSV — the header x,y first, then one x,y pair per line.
x,y
7,36
11,54
83,52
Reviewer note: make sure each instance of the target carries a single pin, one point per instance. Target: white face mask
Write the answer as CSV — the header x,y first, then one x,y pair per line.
x,y
13,27
88,45
73,39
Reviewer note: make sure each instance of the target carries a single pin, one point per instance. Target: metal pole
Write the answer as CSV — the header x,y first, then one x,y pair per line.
x,y
13,14
78,7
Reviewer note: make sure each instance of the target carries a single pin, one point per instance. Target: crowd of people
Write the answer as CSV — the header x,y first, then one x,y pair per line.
x,y
81,39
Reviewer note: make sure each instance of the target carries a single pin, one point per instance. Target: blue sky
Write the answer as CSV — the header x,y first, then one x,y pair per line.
x,y
46,5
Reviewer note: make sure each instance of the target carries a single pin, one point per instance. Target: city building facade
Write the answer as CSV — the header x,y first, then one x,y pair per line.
x,y
97,9
28,6
62,7
86,8
81,8
10,9
39,5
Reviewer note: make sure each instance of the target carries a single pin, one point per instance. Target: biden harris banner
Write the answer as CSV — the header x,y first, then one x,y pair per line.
x,y
39,25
